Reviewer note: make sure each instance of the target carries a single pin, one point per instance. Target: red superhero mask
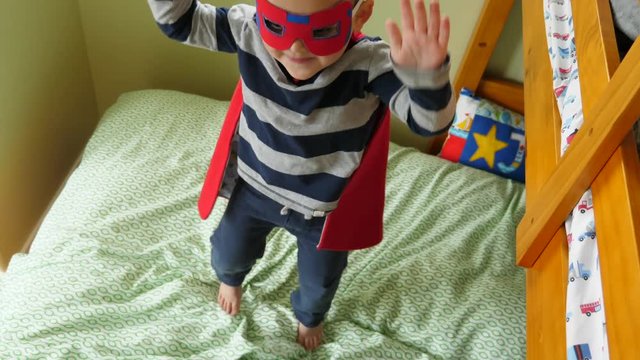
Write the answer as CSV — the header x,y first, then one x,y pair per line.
x,y
323,33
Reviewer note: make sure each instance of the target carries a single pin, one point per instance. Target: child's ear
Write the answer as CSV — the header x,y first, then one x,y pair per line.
x,y
363,15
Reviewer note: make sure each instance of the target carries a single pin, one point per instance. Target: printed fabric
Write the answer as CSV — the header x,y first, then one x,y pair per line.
x,y
586,324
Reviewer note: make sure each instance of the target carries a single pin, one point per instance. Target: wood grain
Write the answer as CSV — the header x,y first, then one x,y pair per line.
x,y
502,92
486,34
546,286
616,189
609,122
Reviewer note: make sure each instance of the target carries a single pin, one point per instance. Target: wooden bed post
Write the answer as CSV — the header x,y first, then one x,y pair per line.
x,y
486,34
546,279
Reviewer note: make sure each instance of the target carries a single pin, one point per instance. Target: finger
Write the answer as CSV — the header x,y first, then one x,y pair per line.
x,y
434,19
395,37
421,17
445,28
407,16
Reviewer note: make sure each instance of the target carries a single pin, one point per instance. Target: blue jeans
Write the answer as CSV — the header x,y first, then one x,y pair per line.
x,y
240,240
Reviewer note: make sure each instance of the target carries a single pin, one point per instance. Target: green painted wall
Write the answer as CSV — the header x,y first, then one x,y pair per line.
x,y
128,52
508,59
47,109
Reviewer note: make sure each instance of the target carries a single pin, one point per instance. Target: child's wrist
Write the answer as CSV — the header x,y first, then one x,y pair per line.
x,y
414,77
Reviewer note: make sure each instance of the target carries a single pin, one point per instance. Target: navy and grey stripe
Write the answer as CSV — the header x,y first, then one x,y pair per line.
x,y
339,92
427,104
301,204
311,145
180,28
337,163
224,37
320,121
172,12
321,186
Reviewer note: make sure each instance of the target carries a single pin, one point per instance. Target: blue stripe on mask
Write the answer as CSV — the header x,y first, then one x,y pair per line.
x,y
298,19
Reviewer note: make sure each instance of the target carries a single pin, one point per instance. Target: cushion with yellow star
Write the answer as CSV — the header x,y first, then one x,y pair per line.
x,y
486,136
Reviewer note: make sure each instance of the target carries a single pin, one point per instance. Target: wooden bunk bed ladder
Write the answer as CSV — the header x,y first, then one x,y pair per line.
x,y
603,156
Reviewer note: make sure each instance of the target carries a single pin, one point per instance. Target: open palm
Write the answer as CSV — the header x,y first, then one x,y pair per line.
x,y
422,44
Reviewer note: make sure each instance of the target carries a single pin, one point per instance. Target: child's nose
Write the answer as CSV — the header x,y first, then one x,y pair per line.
x,y
298,47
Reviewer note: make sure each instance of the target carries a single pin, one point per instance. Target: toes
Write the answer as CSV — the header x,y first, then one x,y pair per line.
x,y
302,341
311,343
226,306
233,309
229,299
230,307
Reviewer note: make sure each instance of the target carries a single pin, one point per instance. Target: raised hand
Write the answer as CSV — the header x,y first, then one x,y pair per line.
x,y
422,44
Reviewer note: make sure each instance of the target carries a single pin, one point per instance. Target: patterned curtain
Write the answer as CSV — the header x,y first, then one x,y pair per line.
x,y
586,325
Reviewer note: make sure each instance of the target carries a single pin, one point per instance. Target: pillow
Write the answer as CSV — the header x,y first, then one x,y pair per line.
x,y
486,136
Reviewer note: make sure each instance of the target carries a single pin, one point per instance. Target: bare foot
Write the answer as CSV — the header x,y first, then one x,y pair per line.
x,y
310,338
229,298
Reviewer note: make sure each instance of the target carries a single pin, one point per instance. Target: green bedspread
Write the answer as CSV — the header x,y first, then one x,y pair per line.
x,y
120,267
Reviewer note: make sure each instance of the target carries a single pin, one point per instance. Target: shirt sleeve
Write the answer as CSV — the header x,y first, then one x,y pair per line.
x,y
202,25
423,100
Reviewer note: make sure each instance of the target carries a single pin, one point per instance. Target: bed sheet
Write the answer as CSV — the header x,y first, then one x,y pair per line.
x,y
120,266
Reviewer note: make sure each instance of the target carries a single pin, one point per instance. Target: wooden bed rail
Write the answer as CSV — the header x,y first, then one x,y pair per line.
x,y
506,93
611,120
546,280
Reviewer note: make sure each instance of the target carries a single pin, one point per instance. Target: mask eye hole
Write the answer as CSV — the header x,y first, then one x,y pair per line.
x,y
327,32
274,27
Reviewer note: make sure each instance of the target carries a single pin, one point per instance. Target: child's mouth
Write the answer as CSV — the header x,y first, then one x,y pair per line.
x,y
299,60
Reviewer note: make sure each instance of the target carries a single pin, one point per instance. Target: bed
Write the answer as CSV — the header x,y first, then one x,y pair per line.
x,y
120,266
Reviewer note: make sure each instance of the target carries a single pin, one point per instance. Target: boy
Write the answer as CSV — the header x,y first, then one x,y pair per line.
x,y
312,96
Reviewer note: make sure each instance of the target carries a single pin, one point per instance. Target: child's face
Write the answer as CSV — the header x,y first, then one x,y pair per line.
x,y
301,63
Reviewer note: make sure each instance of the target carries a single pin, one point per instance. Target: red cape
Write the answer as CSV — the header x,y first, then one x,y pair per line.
x,y
357,221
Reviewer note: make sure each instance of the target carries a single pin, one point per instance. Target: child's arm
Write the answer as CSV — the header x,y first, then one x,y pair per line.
x,y
194,23
412,76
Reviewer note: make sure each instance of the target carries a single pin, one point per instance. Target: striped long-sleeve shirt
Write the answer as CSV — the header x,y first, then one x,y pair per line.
x,y
298,143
